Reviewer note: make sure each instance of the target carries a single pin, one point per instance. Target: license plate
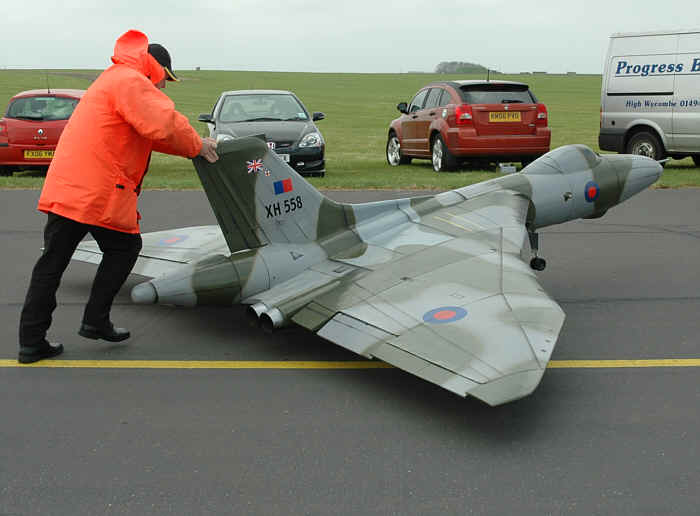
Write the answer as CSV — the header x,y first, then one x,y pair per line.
x,y
504,116
38,154
285,157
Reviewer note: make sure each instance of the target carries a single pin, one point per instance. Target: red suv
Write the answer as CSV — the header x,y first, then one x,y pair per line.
x,y
32,124
455,121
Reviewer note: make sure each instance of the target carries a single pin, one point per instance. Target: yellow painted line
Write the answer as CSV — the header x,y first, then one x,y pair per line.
x,y
607,364
319,364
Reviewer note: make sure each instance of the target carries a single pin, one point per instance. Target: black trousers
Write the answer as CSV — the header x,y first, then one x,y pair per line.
x,y
61,237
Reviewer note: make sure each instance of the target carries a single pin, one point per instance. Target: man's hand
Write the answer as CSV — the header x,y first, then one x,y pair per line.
x,y
208,151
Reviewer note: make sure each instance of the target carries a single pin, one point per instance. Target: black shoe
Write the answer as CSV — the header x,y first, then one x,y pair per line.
x,y
108,332
30,354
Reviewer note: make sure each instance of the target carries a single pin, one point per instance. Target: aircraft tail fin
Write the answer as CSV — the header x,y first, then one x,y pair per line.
x,y
258,199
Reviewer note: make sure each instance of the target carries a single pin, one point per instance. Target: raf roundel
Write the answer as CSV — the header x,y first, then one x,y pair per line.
x,y
592,191
444,315
175,239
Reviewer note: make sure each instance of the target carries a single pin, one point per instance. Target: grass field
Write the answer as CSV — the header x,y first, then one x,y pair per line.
x,y
358,110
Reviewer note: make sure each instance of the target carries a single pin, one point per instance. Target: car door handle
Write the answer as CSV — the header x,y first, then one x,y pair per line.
x,y
432,113
414,116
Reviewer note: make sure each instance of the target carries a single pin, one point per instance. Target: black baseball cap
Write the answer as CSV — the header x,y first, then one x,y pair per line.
x,y
161,55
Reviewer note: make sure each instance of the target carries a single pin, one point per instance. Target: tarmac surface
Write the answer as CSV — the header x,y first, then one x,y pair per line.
x,y
590,440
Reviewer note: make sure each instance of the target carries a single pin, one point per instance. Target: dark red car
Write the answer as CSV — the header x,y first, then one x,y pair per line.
x,y
454,121
30,129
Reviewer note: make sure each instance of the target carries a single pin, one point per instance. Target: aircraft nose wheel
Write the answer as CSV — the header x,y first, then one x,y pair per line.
x,y
538,263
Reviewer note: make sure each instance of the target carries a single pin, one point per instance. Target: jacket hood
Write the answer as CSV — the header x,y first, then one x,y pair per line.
x,y
131,49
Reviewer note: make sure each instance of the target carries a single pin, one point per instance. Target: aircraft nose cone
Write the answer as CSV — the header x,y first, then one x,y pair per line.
x,y
144,294
644,172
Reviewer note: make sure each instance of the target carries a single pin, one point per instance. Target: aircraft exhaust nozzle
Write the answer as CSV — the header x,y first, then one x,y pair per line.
x,y
144,294
271,320
254,312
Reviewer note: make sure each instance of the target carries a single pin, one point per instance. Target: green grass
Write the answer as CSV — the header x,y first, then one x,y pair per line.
x,y
358,110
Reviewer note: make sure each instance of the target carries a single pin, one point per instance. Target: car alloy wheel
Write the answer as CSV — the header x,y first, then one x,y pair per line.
x,y
437,155
393,151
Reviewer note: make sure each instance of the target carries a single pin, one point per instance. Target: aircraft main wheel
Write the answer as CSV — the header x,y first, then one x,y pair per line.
x,y
538,263
393,152
443,160
646,144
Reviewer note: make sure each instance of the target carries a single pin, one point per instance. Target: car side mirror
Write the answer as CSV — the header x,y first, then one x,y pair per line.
x,y
318,116
402,107
206,117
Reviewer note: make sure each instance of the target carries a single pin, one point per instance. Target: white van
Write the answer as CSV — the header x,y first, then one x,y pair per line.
x,y
650,100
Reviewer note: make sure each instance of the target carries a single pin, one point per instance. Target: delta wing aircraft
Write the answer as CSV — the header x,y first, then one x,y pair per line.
x,y
434,285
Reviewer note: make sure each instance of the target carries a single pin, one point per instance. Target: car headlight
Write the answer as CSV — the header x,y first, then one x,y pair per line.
x,y
223,138
311,140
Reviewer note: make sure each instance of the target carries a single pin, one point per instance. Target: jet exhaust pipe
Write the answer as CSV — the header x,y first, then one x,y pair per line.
x,y
273,315
254,312
272,320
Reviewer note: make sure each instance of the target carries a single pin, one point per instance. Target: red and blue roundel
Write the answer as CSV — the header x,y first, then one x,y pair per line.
x,y
592,191
444,315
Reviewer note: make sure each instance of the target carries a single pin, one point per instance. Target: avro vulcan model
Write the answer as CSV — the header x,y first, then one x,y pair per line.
x,y
434,285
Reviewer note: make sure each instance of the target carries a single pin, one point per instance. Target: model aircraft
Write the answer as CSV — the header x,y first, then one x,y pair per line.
x,y
434,285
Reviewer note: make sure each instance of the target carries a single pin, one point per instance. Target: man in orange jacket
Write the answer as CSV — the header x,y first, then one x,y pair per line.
x,y
93,183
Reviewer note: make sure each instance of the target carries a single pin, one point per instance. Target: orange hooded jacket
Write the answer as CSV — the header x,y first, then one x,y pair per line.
x,y
104,150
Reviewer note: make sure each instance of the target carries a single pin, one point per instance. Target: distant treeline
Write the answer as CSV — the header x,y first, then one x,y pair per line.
x,y
461,67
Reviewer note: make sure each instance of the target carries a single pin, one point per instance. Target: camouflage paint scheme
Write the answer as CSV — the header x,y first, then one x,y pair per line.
x,y
434,285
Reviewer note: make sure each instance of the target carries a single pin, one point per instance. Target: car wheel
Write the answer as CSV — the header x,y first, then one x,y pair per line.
x,y
393,152
696,160
646,144
443,160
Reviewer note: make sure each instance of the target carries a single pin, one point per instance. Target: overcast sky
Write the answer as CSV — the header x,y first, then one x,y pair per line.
x,y
335,36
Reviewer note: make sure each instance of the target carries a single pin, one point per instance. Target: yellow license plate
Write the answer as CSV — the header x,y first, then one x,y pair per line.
x,y
504,116
38,154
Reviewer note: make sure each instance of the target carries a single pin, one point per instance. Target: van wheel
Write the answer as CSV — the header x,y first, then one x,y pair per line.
x,y
696,160
393,152
646,144
443,160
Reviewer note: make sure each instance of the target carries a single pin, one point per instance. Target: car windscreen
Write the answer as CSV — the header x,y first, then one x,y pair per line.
x,y
261,107
496,94
42,108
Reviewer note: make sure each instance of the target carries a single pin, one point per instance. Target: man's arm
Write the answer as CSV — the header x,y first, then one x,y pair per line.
x,y
152,114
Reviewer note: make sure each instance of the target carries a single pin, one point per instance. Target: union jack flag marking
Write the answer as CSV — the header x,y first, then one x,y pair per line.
x,y
255,166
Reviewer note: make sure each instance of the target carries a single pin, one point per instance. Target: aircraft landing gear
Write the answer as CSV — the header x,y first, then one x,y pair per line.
x,y
536,263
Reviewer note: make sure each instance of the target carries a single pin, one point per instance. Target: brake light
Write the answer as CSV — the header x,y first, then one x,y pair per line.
x,y
464,114
541,115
